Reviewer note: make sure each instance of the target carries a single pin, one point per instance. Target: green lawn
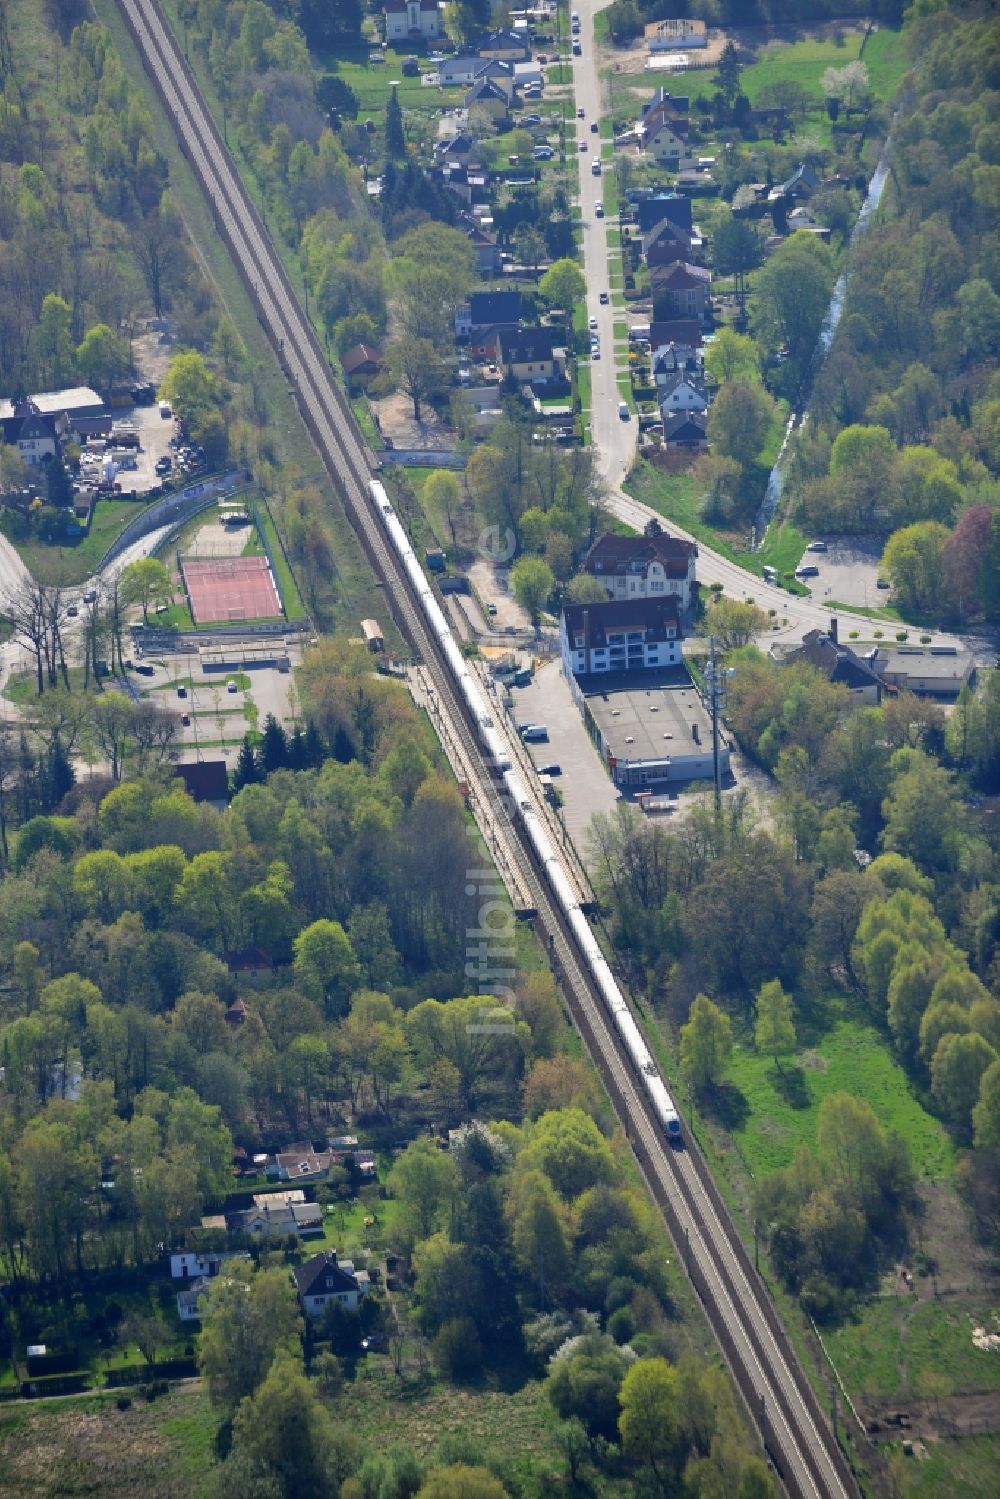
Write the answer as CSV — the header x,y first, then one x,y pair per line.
x,y
850,1057
962,1470
294,607
74,564
372,83
806,61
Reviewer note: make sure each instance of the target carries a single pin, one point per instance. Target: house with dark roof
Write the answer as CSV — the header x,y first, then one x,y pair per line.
x,y
683,331
636,634
492,95
412,20
687,432
664,137
800,186
486,309
324,1280
505,45
462,69
675,359
680,392
681,290
484,243
205,780
673,206
361,363
838,663
680,104
529,355
664,247
631,567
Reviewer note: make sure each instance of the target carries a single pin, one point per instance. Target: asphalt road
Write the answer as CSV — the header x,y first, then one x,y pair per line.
x,y
615,440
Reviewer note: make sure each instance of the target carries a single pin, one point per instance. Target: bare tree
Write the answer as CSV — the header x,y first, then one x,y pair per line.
x,y
29,616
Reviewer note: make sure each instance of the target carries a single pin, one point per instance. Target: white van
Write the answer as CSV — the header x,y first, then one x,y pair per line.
x,y
595,166
623,410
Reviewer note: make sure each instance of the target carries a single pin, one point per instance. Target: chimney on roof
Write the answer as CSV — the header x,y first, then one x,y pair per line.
x,y
833,631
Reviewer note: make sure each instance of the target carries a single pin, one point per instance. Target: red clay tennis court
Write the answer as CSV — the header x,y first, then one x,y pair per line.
x,y
230,588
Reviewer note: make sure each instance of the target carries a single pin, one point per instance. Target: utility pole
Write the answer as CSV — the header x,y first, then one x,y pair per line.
x,y
715,678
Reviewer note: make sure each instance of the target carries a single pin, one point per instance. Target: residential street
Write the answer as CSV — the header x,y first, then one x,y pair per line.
x,y
614,439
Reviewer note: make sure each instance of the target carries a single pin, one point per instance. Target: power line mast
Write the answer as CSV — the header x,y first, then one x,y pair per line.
x,y
715,682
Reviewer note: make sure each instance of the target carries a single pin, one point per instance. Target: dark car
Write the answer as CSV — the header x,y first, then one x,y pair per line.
x,y
550,770
182,692
145,671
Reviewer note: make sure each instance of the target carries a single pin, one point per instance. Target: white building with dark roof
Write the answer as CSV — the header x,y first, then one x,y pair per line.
x,y
623,635
324,1280
637,567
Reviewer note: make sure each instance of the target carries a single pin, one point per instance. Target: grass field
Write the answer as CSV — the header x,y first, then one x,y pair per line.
x,y
879,1356
88,1446
962,1470
849,1057
74,564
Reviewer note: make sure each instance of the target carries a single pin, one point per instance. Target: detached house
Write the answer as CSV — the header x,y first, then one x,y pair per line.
x,y
324,1279
484,243
686,432
674,207
664,137
505,45
492,95
412,21
621,635
681,290
528,355
680,392
839,664
632,567
487,309
800,186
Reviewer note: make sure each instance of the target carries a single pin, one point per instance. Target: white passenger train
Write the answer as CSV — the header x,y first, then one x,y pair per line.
x,y
493,743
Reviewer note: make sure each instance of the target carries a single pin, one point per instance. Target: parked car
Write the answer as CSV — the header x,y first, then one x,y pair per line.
x,y
186,720
182,692
603,299
491,608
599,209
531,120
592,323
231,686
72,611
550,770
144,670
882,583
593,127
816,546
577,49
807,570
583,145
581,112
535,733
543,153
90,597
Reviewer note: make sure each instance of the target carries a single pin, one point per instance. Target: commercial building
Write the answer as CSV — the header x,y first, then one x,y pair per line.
x,y
651,730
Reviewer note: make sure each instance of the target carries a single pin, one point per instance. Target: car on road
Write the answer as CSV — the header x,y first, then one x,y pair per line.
x,y
816,546
182,692
531,120
72,611
581,112
90,597
534,733
583,145
807,570
592,323
604,299
599,209
186,719
231,685
593,127
595,351
882,583
595,166
144,670
550,770
491,608
577,49
623,410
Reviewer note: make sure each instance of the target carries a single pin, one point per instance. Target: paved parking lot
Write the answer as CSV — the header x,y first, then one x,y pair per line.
x,y
216,713
848,571
584,783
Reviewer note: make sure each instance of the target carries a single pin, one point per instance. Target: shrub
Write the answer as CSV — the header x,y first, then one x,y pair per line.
x,y
621,1325
878,634
902,635
854,634
925,640
457,1349
124,1402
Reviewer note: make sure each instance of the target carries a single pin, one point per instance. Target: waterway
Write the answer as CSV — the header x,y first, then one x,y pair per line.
x,y
776,478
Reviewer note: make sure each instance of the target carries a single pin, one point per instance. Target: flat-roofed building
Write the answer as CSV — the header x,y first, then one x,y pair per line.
x,y
650,730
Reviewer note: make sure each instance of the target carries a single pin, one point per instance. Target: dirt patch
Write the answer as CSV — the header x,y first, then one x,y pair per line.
x,y
932,1420
958,1264
396,421
154,349
813,1062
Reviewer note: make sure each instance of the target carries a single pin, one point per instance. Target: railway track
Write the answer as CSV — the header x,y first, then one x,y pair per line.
x,y
774,1387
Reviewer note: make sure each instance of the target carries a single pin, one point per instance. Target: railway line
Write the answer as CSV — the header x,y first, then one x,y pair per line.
x,y
775,1389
